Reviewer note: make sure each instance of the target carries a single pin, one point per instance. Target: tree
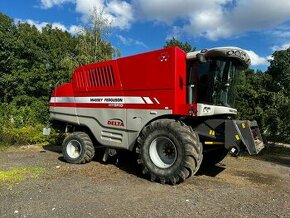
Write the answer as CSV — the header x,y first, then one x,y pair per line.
x,y
37,61
7,50
253,97
278,116
185,46
257,100
33,62
279,69
92,45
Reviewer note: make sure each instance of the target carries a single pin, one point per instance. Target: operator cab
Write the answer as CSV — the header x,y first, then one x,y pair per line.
x,y
212,77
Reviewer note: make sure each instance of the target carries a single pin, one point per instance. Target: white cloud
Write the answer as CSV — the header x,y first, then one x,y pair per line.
x,y
73,29
85,7
119,13
215,19
50,3
283,31
212,19
281,47
270,58
168,10
256,15
256,59
130,41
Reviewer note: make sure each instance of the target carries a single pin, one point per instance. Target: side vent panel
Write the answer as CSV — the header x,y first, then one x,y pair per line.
x,y
112,136
101,76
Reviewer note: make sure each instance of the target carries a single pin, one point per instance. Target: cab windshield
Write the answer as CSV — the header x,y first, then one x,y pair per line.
x,y
214,82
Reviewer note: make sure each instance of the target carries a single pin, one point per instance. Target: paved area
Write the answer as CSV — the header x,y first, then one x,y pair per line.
x,y
242,187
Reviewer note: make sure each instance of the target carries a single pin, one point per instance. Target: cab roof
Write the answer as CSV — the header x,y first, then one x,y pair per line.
x,y
230,52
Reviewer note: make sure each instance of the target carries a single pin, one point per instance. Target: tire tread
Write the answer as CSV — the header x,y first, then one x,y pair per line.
x,y
192,149
86,142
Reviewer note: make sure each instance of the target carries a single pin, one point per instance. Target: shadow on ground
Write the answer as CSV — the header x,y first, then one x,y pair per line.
x,y
126,161
275,154
52,148
211,171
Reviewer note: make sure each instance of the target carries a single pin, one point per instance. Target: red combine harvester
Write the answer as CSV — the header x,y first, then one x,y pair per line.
x,y
173,109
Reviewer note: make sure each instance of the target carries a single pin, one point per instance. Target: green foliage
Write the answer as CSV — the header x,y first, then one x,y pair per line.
x,y
185,46
277,117
91,44
22,124
259,100
23,135
32,63
279,70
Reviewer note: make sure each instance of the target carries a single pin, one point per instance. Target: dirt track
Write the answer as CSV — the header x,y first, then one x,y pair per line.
x,y
243,187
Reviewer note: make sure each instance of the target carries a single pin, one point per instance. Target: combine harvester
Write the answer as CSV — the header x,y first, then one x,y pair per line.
x,y
173,109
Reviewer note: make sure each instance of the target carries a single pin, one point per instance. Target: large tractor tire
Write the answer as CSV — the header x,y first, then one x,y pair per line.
x,y
77,148
169,151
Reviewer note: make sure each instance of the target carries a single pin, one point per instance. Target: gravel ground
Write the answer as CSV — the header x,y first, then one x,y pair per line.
x,y
238,187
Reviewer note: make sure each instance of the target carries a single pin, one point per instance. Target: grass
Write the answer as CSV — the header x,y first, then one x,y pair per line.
x,y
3,147
20,174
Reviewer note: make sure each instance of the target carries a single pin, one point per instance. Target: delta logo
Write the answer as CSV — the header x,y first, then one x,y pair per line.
x,y
115,122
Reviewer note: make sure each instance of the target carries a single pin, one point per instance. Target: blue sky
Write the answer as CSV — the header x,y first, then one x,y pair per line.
x,y
259,26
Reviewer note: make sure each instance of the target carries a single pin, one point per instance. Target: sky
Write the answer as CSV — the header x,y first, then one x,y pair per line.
x,y
258,26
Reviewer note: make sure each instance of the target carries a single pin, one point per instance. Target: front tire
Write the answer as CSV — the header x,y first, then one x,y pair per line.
x,y
169,151
77,148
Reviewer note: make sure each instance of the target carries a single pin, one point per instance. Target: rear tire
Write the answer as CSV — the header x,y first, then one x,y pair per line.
x,y
77,148
169,151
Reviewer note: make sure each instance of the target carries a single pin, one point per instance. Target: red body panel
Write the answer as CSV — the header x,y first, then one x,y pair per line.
x,y
159,77
64,90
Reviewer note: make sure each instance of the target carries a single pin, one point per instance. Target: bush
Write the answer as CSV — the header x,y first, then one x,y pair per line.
x,y
23,123
22,135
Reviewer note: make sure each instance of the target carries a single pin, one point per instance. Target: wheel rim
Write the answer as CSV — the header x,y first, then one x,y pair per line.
x,y
74,149
163,152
